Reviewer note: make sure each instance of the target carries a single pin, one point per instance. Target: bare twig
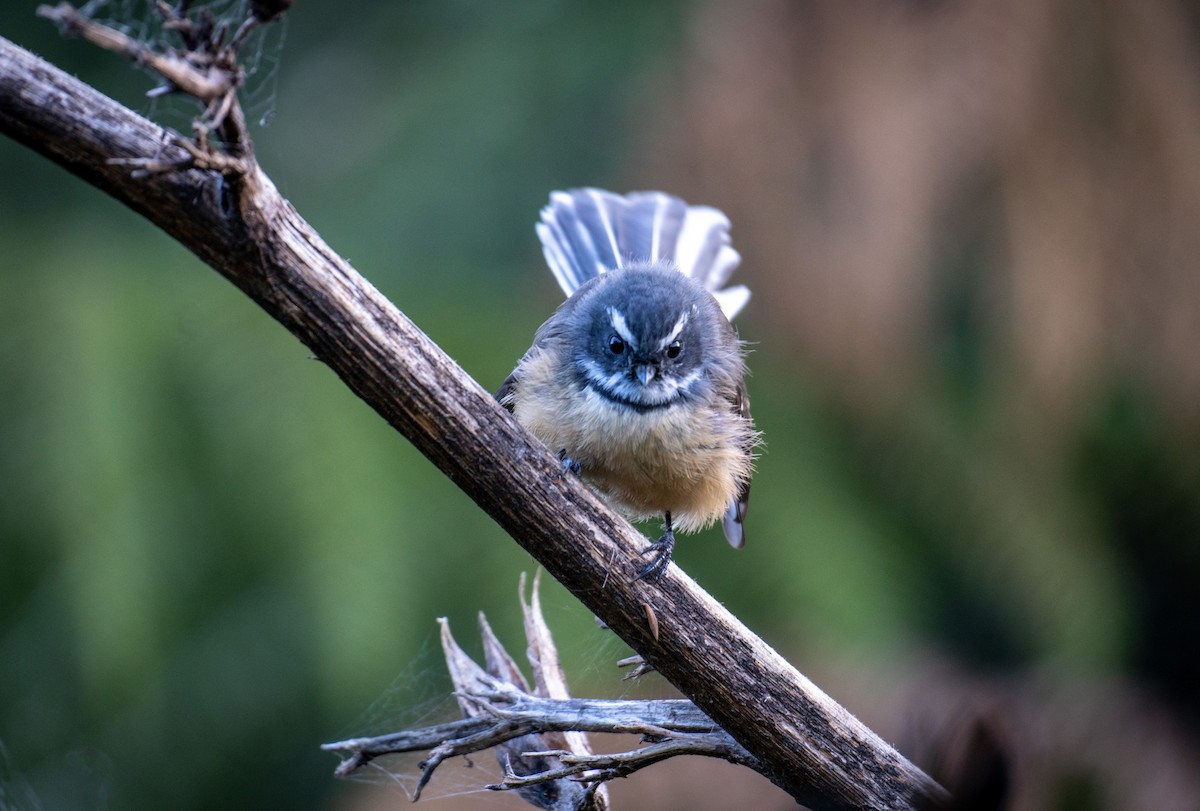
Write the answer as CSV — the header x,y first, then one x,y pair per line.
x,y
548,673
596,768
501,681
207,70
501,712
207,83
640,668
241,226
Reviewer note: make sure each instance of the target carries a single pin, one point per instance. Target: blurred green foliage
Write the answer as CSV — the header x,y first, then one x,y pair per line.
x,y
213,557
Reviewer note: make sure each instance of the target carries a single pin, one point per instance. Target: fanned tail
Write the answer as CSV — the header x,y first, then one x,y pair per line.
x,y
586,232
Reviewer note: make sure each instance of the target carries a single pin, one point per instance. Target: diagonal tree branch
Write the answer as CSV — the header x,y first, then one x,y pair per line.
x,y
241,226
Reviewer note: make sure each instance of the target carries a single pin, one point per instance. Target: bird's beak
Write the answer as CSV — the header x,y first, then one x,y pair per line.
x,y
645,372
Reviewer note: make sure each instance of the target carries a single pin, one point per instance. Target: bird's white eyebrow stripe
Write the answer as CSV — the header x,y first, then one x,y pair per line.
x,y
622,328
675,330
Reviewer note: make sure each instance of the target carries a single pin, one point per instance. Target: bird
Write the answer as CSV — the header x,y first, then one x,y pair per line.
x,y
638,379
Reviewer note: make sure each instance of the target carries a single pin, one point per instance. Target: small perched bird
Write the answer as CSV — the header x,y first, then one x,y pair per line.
x,y
637,380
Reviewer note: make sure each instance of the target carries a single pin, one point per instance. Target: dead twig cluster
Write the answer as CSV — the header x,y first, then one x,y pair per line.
x,y
206,66
539,733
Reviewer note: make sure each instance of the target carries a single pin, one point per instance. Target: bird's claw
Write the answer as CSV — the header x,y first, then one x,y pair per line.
x,y
660,558
569,465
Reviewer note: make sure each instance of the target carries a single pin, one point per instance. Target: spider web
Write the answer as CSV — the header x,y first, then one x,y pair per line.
x,y
260,56
421,696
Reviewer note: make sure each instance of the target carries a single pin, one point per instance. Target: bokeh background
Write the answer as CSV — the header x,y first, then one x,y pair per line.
x,y
972,231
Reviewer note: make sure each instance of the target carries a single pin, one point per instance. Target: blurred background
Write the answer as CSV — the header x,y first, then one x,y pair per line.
x,y
971,230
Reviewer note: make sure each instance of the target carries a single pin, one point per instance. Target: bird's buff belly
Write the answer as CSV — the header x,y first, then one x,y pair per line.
x,y
681,459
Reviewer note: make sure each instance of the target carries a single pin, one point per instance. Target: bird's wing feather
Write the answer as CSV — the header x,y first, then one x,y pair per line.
x,y
733,522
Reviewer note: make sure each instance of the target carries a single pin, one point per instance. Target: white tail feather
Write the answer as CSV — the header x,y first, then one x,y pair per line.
x,y
586,232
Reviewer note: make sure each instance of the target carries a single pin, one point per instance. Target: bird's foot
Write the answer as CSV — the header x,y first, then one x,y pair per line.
x,y
659,553
569,465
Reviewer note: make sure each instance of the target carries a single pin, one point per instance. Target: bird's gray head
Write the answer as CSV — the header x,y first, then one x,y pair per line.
x,y
648,337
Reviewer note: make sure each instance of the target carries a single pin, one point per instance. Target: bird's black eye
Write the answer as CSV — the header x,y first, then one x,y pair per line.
x,y
674,349
616,345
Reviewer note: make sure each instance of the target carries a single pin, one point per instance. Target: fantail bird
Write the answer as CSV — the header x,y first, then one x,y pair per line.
x,y
638,380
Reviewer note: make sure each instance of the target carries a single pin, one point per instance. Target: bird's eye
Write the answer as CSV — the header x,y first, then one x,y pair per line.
x,y
616,345
674,349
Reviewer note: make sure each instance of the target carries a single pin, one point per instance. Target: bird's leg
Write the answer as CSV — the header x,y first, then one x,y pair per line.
x,y
660,552
568,464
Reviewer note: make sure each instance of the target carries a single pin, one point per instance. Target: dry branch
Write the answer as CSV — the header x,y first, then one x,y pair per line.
x,y
212,81
501,712
473,684
240,225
